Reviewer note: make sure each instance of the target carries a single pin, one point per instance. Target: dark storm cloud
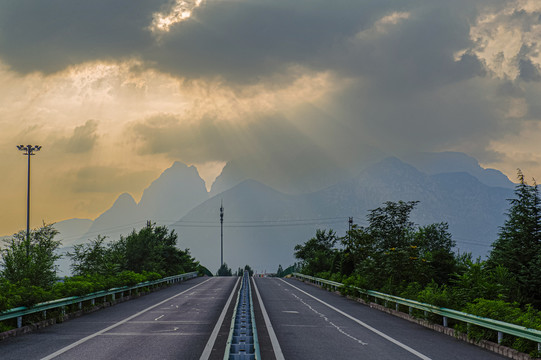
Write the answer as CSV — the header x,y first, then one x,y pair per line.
x,y
47,36
241,40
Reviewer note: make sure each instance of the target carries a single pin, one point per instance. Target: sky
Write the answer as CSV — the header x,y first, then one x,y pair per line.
x,y
116,91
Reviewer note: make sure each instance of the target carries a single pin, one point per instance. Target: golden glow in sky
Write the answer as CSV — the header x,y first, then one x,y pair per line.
x,y
116,95
181,10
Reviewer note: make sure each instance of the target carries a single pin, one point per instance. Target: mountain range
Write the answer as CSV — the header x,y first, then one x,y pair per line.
x,y
262,225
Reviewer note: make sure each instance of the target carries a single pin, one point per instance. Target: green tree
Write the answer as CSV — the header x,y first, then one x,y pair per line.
x,y
392,251
280,271
224,270
249,269
518,247
317,253
435,253
31,260
392,232
153,249
93,257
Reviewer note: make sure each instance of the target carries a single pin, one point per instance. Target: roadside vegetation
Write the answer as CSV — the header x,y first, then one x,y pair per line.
x,y
395,256
28,271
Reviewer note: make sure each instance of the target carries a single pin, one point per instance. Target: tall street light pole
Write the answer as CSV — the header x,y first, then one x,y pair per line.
x,y
28,151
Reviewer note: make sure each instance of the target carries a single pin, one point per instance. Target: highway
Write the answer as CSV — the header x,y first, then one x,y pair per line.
x,y
312,323
191,320
174,323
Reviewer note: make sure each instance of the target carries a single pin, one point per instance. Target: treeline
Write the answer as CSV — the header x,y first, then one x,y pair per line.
x,y
393,255
28,271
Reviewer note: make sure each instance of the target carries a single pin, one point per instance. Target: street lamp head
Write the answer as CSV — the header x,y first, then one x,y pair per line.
x,y
29,149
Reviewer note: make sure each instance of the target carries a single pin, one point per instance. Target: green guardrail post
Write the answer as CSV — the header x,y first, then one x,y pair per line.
x,y
44,314
19,321
80,305
500,337
445,324
93,302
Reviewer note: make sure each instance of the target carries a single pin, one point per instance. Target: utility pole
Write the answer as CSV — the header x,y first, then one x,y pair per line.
x,y
350,221
222,234
28,151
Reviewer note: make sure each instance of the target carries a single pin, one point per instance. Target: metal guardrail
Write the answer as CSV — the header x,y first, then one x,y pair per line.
x,y
19,312
243,343
496,325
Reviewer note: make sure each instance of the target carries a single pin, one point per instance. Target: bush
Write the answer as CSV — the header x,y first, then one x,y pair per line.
x,y
436,295
507,312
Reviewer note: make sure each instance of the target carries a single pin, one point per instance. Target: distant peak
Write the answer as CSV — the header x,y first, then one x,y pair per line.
x,y
179,165
125,197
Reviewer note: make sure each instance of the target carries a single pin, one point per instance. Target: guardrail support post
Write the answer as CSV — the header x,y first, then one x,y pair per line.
x,y
410,310
500,337
80,305
93,302
396,306
445,321
19,321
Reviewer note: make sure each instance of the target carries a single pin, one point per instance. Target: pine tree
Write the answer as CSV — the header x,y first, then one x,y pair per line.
x,y
518,248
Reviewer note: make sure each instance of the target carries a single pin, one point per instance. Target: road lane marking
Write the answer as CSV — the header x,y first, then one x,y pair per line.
x,y
85,339
159,317
156,334
374,330
340,330
210,344
272,335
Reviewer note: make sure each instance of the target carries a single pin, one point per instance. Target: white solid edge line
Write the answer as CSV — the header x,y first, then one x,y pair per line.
x,y
272,335
385,336
79,342
212,339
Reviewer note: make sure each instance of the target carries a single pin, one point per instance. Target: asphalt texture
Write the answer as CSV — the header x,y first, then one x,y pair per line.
x,y
308,329
173,323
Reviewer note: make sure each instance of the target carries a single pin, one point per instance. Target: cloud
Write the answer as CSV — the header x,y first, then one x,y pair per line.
x,y
50,36
289,89
83,140
106,179
506,39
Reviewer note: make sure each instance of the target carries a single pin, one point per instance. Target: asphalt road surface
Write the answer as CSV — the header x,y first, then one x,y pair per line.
x,y
174,323
312,323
